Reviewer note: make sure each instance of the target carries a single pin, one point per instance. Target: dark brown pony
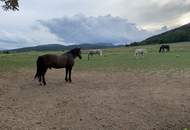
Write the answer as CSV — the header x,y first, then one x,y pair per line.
x,y
56,61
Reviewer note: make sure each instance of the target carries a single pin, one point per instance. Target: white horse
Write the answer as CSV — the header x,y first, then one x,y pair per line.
x,y
94,52
140,52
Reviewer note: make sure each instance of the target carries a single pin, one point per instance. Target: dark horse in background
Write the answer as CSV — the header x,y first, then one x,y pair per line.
x,y
164,48
49,61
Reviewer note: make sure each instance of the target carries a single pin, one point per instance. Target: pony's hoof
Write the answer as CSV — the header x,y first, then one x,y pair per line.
x,y
70,81
66,80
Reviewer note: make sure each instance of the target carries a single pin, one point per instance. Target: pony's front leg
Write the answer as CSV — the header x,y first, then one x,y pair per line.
x,y
66,72
70,69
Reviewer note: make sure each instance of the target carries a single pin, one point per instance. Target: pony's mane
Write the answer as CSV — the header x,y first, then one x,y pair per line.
x,y
73,50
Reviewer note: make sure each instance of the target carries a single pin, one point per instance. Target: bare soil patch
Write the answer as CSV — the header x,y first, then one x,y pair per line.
x,y
95,100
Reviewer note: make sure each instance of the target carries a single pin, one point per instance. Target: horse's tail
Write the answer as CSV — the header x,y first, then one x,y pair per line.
x,y
39,66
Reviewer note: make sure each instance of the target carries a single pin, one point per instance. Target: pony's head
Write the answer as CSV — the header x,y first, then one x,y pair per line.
x,y
76,52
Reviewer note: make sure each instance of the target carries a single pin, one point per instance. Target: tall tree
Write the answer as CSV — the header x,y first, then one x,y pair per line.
x,y
10,5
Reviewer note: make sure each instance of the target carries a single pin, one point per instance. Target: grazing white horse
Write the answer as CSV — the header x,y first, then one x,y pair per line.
x,y
94,52
140,52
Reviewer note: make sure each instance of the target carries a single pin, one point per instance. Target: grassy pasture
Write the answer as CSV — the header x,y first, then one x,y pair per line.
x,y
115,91
116,59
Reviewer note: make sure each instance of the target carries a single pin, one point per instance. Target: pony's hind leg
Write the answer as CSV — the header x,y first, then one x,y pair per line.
x,y
44,81
43,76
70,69
40,79
66,73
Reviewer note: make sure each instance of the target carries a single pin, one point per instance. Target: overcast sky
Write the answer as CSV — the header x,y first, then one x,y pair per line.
x,y
89,21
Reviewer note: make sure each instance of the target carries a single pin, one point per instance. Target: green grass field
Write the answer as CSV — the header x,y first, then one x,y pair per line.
x,y
117,59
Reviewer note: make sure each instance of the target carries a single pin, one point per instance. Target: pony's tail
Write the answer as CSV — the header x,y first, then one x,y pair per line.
x,y
38,65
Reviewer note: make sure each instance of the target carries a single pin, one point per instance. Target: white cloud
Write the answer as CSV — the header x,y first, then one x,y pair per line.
x,y
36,35
102,29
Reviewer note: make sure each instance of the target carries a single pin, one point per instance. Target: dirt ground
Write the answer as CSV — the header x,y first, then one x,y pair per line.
x,y
95,100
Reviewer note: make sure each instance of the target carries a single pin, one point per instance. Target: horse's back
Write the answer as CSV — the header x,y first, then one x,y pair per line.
x,y
165,46
51,61
140,50
162,47
95,51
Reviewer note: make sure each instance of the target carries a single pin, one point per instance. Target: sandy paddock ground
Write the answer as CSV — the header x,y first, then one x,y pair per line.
x,y
95,100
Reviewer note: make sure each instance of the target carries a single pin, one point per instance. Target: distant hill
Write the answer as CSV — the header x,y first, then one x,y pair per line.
x,y
58,47
180,34
2,49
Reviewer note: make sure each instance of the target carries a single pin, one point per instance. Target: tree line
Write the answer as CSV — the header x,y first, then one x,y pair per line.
x,y
10,5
